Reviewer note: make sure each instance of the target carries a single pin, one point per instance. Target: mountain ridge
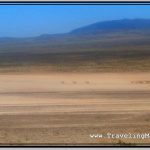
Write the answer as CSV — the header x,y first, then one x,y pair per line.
x,y
121,50
80,42
124,24
115,25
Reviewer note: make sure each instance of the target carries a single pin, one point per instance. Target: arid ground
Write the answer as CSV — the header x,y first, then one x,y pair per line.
x,y
66,108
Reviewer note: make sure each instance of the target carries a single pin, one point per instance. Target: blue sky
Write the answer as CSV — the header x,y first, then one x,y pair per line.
x,y
34,20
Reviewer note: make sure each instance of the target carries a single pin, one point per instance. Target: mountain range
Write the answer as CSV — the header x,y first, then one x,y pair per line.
x,y
116,45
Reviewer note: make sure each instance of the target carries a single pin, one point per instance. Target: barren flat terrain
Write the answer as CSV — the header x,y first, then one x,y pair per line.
x,y
66,108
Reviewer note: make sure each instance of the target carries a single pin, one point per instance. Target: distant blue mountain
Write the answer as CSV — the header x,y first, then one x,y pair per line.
x,y
127,34
114,25
117,45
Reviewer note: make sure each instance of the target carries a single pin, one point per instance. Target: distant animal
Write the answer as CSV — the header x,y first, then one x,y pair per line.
x,y
87,82
62,82
74,82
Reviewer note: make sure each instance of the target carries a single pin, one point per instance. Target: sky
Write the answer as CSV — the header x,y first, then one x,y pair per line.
x,y
34,20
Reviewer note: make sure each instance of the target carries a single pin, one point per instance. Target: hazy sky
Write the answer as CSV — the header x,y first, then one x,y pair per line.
x,y
33,20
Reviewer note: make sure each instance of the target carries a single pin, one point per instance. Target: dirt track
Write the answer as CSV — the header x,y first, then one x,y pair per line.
x,y
66,108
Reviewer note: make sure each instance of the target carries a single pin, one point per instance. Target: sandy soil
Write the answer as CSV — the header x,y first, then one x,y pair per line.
x,y
61,108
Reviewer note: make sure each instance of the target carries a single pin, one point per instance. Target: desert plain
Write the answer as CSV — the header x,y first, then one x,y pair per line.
x,y
66,108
